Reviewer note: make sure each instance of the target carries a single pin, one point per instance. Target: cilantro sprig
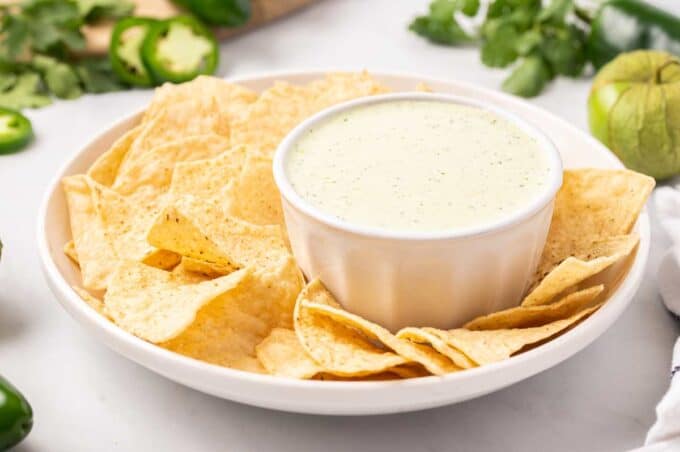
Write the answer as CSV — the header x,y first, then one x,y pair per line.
x,y
540,42
41,51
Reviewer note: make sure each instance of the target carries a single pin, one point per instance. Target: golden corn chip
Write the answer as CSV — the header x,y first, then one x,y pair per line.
x,y
339,349
96,256
272,116
421,336
107,227
253,196
574,270
70,251
208,178
227,330
531,316
423,87
593,205
94,302
486,347
125,225
232,99
153,170
208,269
281,107
211,236
155,304
281,354
425,355
174,123
382,376
339,87
105,169
186,274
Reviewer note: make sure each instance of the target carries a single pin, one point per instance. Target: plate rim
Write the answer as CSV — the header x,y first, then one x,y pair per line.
x,y
153,355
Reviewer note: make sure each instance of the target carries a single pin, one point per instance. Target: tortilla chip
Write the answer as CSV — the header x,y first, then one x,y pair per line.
x,y
227,330
105,169
94,302
174,123
157,306
532,316
186,274
272,116
339,87
280,108
425,355
96,256
592,206
420,336
125,224
208,178
339,349
281,354
211,236
423,87
208,269
70,251
574,270
486,347
254,197
153,170
232,99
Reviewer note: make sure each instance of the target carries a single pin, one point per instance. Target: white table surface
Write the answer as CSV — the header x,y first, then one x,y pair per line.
x,y
88,398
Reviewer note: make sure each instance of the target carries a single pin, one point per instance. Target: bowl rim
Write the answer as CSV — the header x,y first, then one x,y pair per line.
x,y
535,204
149,354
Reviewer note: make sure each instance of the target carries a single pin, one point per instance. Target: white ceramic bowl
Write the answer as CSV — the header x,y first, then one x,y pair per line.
x,y
401,279
577,149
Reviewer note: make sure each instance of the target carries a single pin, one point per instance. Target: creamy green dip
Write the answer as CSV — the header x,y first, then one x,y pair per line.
x,y
418,166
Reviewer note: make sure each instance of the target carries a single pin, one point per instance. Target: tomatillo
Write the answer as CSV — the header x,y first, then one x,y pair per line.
x,y
125,50
16,416
179,49
15,131
634,109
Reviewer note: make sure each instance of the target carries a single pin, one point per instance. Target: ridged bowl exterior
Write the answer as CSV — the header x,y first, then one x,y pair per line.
x,y
441,282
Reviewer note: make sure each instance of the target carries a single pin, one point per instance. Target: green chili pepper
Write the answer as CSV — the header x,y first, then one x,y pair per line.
x,y
16,416
228,13
125,50
624,25
179,49
15,131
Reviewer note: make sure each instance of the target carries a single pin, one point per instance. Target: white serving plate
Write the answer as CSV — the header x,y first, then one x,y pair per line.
x,y
577,149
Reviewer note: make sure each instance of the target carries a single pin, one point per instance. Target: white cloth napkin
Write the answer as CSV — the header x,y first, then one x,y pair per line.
x,y
665,433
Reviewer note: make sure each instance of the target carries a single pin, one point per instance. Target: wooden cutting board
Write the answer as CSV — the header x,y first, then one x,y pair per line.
x,y
263,12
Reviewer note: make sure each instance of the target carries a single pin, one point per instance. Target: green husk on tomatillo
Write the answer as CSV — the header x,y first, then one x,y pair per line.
x,y
634,109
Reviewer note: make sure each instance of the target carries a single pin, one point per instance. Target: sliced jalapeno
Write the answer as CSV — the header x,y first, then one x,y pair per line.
x,y
228,13
15,131
125,50
179,49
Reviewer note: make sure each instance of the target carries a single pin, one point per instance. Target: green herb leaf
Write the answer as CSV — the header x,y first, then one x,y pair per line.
x,y
448,33
564,49
15,33
469,7
498,49
96,10
60,78
25,92
556,11
528,42
97,76
440,25
529,78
